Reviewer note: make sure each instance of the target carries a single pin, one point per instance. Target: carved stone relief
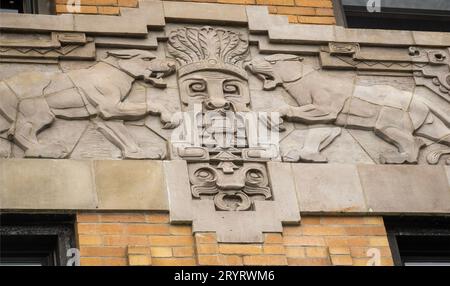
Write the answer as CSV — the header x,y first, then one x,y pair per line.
x,y
32,101
219,128
222,111
396,116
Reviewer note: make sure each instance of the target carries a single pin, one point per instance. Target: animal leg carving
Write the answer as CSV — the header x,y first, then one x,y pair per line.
x,y
34,116
169,119
309,114
117,133
316,140
408,146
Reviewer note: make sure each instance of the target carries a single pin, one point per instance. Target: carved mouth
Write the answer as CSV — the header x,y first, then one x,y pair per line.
x,y
221,109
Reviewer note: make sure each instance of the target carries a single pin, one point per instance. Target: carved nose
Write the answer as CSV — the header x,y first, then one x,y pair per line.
x,y
217,103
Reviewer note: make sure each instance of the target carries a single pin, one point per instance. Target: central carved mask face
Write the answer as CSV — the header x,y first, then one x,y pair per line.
x,y
216,91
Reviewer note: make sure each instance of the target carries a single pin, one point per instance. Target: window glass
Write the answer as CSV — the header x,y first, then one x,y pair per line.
x,y
27,6
430,15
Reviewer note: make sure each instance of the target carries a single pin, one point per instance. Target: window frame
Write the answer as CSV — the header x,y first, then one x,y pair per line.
x,y
59,228
414,227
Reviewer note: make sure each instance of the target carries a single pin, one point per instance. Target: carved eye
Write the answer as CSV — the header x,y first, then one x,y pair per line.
x,y
255,177
197,87
205,175
439,57
231,88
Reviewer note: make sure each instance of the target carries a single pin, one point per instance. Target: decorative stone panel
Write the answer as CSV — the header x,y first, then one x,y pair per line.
x,y
239,103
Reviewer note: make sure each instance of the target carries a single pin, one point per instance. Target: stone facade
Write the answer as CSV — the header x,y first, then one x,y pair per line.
x,y
204,133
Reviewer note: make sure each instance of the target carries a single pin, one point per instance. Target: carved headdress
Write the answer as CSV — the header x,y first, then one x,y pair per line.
x,y
208,48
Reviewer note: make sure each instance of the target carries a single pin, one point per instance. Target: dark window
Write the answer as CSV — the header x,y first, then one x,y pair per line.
x,y
419,15
35,240
419,240
27,6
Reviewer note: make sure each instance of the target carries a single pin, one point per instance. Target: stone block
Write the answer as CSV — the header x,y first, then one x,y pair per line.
x,y
47,184
205,12
328,188
405,189
129,184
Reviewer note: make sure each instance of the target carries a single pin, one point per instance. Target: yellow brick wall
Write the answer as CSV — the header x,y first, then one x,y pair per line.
x,y
298,11
104,7
149,239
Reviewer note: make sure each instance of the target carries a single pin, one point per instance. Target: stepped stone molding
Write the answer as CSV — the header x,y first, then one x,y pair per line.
x,y
18,48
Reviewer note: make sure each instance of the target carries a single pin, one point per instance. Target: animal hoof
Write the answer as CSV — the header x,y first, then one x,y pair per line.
x,y
291,156
151,153
309,157
396,158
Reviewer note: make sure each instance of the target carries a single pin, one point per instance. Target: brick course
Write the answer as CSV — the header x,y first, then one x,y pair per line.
x,y
147,238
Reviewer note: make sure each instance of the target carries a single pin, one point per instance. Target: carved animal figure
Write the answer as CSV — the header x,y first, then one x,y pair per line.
x,y
397,117
30,102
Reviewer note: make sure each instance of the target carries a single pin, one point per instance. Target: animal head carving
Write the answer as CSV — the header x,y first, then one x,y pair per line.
x,y
144,65
275,70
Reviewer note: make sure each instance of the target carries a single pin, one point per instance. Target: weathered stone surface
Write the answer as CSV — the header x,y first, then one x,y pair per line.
x,y
149,43
328,188
300,34
47,184
368,36
130,185
282,179
179,193
260,21
431,38
36,23
405,189
204,12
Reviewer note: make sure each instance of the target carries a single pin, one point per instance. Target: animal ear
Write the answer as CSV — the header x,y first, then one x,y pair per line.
x,y
123,54
282,57
147,55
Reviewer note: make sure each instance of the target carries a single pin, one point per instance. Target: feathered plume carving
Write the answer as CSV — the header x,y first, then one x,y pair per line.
x,y
208,48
